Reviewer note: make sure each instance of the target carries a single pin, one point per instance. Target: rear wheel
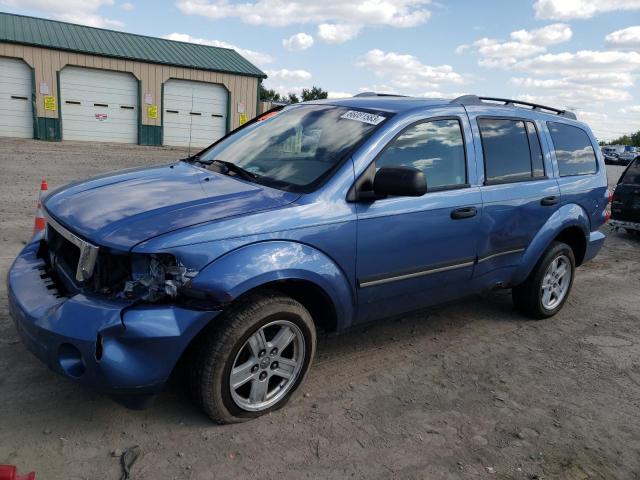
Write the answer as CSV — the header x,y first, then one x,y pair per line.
x,y
254,359
547,288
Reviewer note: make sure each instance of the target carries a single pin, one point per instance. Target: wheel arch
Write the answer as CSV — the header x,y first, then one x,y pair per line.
x,y
291,268
569,224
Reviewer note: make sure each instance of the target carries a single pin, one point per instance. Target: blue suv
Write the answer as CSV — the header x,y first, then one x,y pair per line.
x,y
316,217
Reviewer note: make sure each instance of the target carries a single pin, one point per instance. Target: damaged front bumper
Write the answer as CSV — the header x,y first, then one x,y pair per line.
x,y
111,345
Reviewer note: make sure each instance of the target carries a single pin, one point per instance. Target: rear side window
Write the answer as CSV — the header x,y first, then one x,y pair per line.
x,y
573,148
436,147
511,149
632,175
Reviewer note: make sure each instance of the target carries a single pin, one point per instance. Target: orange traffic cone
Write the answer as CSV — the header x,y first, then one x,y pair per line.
x,y
40,222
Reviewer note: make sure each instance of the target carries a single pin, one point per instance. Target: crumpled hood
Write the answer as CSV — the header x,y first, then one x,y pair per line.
x,y
123,209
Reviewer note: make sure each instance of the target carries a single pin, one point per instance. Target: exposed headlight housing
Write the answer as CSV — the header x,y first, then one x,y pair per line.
x,y
155,277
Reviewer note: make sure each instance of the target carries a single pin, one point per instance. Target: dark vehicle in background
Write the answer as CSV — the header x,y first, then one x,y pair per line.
x,y
625,158
611,158
625,207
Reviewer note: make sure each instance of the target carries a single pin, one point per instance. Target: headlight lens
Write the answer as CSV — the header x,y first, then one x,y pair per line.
x,y
155,277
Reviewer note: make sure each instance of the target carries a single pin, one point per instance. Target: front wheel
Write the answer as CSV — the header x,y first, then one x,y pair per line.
x,y
254,359
547,287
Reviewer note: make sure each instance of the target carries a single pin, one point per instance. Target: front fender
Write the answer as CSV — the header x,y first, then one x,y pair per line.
x,y
569,215
251,266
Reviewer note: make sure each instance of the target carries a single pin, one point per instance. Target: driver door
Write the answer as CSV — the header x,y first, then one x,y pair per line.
x,y
416,251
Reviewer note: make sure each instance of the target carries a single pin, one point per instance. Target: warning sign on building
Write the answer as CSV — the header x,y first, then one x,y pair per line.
x,y
49,102
152,111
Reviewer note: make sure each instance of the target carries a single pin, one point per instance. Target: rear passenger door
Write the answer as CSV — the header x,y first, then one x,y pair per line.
x,y
519,191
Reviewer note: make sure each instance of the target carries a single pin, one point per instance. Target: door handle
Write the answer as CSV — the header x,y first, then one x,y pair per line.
x,y
464,212
547,201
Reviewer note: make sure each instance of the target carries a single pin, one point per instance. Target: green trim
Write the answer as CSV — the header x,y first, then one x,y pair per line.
x,y
58,90
228,111
162,114
258,97
150,135
48,129
34,101
140,102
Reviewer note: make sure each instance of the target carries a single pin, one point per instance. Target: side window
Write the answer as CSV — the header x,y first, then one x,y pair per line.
x,y
573,148
511,149
436,147
632,175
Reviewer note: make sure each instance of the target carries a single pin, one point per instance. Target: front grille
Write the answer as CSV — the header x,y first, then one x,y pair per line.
x,y
83,257
62,253
49,276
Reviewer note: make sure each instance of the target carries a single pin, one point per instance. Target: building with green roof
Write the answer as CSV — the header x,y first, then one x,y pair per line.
x,y
61,81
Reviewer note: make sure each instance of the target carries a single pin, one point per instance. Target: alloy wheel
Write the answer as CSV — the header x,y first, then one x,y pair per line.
x,y
267,366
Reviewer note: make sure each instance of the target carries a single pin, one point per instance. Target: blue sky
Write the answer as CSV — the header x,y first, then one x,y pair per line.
x,y
583,54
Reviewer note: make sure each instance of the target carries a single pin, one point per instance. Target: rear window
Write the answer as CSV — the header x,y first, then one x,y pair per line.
x,y
632,175
573,148
511,150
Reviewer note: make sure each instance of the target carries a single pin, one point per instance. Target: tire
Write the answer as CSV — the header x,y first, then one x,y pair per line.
x,y
529,297
234,339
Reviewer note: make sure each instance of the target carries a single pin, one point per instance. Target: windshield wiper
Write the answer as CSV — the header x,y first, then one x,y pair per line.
x,y
232,167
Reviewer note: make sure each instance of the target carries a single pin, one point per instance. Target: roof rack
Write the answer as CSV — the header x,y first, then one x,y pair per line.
x,y
374,94
475,100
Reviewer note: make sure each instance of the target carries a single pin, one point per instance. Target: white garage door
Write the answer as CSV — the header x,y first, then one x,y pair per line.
x,y
195,113
98,105
16,110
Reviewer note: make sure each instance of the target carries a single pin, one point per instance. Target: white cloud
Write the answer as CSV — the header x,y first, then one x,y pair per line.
x,y
276,13
258,58
332,33
127,6
545,36
625,38
522,44
580,9
90,19
297,42
439,94
631,109
584,61
285,90
460,49
288,75
596,79
581,78
579,95
339,95
73,11
406,72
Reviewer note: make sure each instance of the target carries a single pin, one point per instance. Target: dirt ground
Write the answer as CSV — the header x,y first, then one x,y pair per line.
x,y
470,390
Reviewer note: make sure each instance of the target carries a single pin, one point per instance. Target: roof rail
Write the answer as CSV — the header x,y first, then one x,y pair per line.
x,y
374,94
475,100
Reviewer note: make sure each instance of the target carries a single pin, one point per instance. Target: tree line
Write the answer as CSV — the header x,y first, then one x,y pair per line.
x,y
313,93
632,139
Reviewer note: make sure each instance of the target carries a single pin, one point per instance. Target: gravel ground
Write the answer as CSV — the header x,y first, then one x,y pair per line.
x,y
469,390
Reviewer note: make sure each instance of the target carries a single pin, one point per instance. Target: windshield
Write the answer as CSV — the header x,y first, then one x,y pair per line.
x,y
298,147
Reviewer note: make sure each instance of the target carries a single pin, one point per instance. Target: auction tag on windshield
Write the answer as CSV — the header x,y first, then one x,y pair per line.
x,y
365,117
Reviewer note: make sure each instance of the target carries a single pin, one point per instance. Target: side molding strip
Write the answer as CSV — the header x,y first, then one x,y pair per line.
x,y
499,254
381,280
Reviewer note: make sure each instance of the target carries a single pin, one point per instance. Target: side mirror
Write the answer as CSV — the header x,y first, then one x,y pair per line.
x,y
399,181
